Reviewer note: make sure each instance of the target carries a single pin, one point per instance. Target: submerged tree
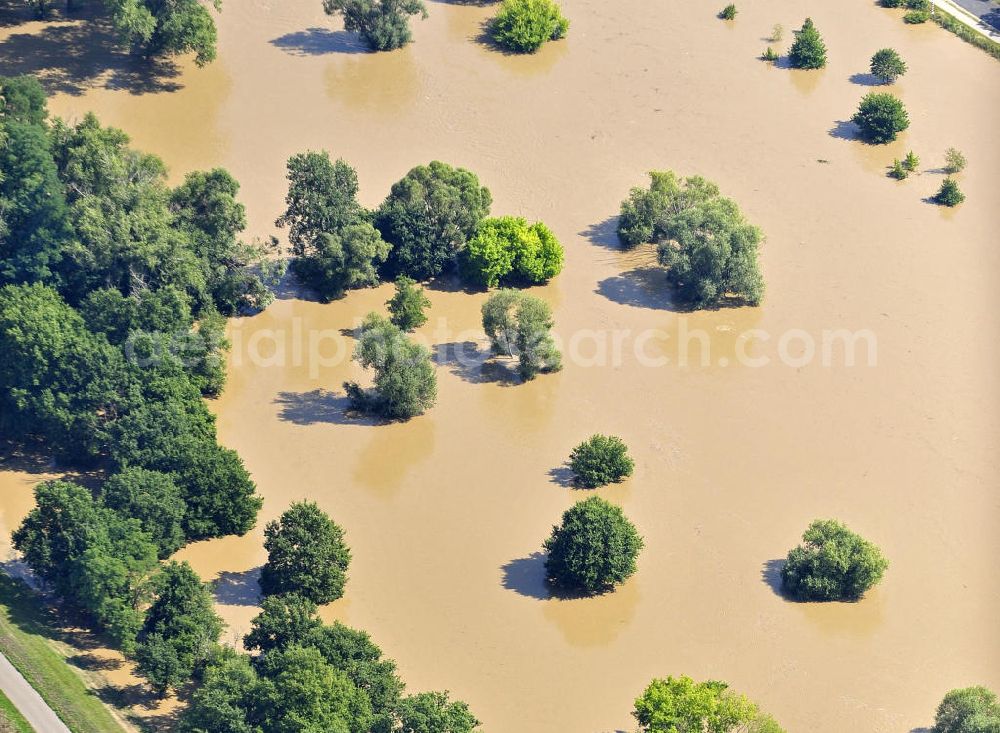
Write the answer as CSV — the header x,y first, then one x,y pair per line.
x,y
594,549
405,382
678,704
306,555
406,307
600,460
507,250
384,24
520,325
522,26
157,27
949,194
968,710
887,65
832,564
808,50
881,117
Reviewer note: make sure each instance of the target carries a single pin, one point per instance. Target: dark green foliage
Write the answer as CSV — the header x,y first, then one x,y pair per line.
x,y
406,307
97,560
384,24
949,194
334,245
306,555
887,65
154,500
880,117
180,629
283,621
227,699
432,712
832,564
703,238
891,3
522,26
923,5
600,460
166,27
808,50
405,383
728,12
968,710
23,100
428,217
520,325
508,251
594,549
678,704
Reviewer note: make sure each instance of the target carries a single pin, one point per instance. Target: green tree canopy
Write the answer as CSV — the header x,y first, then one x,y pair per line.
x,y
405,383
283,620
306,555
880,117
433,712
522,26
507,250
154,500
166,27
673,705
968,710
407,305
949,194
180,630
808,50
520,325
833,563
428,217
600,460
594,549
384,24
887,65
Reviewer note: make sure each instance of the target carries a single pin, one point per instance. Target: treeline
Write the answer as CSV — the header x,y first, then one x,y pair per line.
x,y
114,290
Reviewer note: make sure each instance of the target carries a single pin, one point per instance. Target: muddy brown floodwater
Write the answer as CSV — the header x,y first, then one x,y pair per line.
x,y
445,514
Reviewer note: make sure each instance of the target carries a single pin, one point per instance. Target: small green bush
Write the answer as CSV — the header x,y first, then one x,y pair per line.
x,y
949,193
832,564
898,170
600,460
769,55
881,117
915,17
954,161
911,161
728,12
918,5
887,65
523,26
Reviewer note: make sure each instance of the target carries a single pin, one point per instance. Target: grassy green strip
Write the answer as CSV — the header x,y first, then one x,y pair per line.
x,y
26,630
967,34
11,721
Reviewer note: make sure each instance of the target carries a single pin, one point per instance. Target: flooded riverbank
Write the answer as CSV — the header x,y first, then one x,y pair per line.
x,y
445,514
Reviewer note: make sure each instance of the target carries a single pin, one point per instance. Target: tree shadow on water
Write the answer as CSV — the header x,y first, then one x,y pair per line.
x,y
318,406
320,41
72,56
526,576
865,80
641,287
468,362
844,130
563,476
237,588
770,573
604,234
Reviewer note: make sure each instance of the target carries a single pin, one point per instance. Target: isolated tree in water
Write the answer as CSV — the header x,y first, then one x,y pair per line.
x,y
157,27
520,325
887,65
384,24
808,50
678,704
832,564
306,555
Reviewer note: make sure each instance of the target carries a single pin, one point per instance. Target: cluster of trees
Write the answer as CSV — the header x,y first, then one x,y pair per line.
x,y
593,549
520,325
508,251
305,675
600,460
522,26
832,564
968,710
418,232
678,704
113,294
710,250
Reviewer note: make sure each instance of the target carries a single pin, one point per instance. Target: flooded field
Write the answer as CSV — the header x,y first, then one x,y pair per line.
x,y
446,514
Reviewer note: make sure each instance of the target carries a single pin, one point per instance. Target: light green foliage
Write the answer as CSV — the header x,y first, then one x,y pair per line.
x,y
808,50
432,712
384,24
728,12
406,307
335,246
880,117
405,381
306,555
832,564
600,460
887,65
769,54
898,170
968,710
915,17
154,500
428,216
681,705
519,324
594,549
166,27
954,161
180,630
507,250
777,33
522,26
911,161
949,194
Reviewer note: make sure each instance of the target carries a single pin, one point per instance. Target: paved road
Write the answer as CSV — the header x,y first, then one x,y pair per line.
x,y
987,11
29,702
